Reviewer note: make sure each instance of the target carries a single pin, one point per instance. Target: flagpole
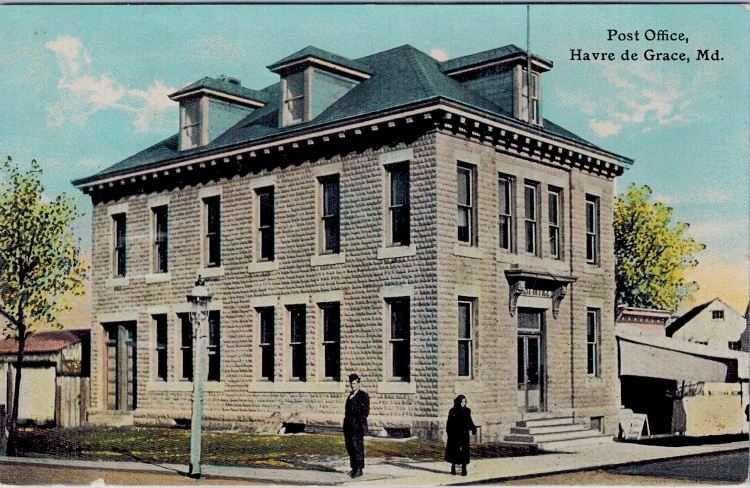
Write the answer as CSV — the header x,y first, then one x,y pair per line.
x,y
528,64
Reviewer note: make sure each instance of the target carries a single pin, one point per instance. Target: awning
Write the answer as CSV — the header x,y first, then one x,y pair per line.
x,y
674,359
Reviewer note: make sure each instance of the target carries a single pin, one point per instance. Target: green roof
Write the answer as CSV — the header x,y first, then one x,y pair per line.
x,y
484,57
224,84
314,52
401,77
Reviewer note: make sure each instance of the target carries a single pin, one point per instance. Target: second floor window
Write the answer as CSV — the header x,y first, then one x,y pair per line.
x,y
329,189
161,239
530,203
266,342
120,255
553,200
505,212
466,216
398,205
214,346
331,316
399,340
212,238
265,219
592,229
465,337
298,342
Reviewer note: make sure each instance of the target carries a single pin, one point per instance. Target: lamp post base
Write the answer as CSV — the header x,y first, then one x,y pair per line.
x,y
193,473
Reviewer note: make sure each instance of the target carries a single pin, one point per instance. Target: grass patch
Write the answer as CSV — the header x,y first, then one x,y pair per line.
x,y
160,446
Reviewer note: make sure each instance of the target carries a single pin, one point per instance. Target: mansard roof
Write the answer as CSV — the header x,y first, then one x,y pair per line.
x,y
402,77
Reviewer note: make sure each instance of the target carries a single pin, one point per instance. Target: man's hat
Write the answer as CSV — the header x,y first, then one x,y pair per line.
x,y
354,377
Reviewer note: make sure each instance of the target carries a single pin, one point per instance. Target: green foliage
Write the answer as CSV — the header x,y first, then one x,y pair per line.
x,y
39,260
652,254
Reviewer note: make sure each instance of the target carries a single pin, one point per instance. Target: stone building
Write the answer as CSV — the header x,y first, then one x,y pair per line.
x,y
392,215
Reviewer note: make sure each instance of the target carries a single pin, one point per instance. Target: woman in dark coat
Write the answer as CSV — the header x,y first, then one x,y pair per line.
x,y
458,426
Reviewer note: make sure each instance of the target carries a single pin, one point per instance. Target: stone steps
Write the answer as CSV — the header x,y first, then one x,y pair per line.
x,y
551,431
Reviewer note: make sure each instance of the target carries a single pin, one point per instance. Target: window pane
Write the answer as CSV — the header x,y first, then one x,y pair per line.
x,y
533,360
521,361
530,237
591,327
331,197
464,358
553,208
529,320
214,347
591,359
590,216
295,85
401,360
464,186
504,196
187,348
332,361
331,323
267,366
504,232
399,186
529,193
464,320
265,202
400,319
400,225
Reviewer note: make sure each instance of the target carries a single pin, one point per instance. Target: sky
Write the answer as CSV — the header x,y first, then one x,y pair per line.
x,y
83,87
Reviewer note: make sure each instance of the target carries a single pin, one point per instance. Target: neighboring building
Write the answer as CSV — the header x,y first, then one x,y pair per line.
x,y
713,323
54,380
643,321
394,216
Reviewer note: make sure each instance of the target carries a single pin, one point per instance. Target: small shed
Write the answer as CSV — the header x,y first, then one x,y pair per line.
x,y
55,377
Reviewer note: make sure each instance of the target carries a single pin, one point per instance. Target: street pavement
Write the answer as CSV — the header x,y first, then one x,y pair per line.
x,y
392,472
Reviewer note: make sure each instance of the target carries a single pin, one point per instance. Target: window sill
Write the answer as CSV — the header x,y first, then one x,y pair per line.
x,y
467,251
407,387
117,282
297,386
328,259
594,268
158,277
503,256
212,272
397,252
185,386
262,266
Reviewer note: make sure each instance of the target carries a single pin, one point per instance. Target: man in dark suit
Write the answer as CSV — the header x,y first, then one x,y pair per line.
x,y
355,425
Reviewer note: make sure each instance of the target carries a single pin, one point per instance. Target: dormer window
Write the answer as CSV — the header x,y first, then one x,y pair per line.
x,y
311,81
294,98
190,126
210,106
526,93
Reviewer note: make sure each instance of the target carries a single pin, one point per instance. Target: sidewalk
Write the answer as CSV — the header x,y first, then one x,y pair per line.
x,y
393,472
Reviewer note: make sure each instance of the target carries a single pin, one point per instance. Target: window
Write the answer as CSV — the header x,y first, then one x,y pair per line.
x,y
161,239
331,316
266,343
735,345
160,347
534,93
530,203
466,217
592,229
294,98
505,211
265,237
120,263
399,227
214,346
212,237
592,342
554,202
191,127
717,314
297,342
399,338
329,207
465,337
186,347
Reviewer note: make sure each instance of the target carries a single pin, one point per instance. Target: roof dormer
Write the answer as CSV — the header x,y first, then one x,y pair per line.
x,y
501,76
312,80
210,106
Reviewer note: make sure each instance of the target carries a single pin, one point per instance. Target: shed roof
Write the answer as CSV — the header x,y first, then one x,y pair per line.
x,y
45,342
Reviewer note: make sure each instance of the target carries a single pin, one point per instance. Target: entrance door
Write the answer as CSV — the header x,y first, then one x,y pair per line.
x,y
530,360
121,367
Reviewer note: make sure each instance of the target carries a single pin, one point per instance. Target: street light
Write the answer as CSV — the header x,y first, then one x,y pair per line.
x,y
199,299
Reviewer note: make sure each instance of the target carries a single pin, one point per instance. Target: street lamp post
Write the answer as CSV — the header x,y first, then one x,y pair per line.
x,y
199,299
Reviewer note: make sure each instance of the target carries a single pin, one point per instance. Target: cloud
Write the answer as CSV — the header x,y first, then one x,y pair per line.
x,y
605,128
83,92
641,97
439,54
